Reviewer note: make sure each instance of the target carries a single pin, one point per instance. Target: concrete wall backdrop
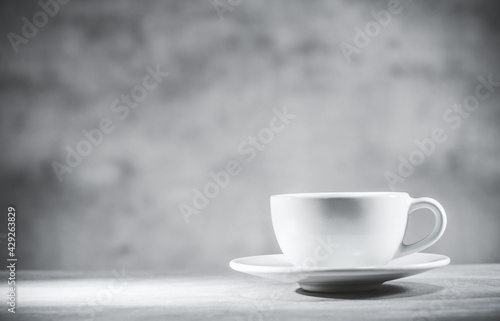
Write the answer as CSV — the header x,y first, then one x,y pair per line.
x,y
354,122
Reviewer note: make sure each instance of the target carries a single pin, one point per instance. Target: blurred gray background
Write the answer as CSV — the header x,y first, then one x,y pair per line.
x,y
120,206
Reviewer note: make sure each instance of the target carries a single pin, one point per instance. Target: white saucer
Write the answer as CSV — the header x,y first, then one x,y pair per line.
x,y
277,267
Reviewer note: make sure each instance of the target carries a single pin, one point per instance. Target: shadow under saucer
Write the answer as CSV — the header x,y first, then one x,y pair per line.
x,y
385,291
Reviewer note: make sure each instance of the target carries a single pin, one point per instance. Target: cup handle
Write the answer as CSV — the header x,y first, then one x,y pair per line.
x,y
439,227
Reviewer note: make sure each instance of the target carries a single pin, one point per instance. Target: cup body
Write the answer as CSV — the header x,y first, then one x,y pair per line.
x,y
340,230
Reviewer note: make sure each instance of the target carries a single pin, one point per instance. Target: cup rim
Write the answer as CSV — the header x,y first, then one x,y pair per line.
x,y
328,195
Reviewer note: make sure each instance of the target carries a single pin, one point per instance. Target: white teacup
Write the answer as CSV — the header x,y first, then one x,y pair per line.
x,y
344,230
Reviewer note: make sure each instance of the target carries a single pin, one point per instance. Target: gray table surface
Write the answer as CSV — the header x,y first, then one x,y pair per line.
x,y
456,292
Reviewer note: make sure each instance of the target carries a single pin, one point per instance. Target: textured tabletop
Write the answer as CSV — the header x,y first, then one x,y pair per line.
x,y
456,292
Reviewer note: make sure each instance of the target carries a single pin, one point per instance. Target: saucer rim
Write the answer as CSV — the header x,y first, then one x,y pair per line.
x,y
439,261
